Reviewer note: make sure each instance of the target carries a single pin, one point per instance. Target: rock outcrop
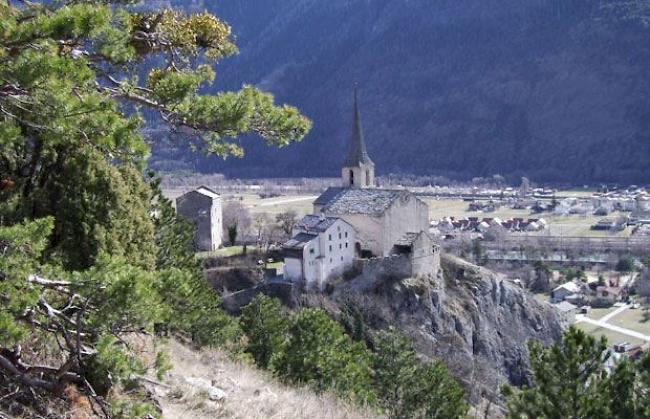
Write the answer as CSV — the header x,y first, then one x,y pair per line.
x,y
477,322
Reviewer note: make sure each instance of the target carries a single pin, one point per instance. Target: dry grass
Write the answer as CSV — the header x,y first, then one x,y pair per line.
x,y
612,336
251,393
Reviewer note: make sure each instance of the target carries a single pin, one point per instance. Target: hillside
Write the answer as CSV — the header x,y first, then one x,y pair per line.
x,y
554,90
248,392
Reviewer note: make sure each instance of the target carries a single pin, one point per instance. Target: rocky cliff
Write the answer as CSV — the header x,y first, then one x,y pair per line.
x,y
475,321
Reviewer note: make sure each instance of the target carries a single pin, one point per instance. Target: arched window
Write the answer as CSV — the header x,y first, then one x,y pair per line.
x,y
367,177
351,177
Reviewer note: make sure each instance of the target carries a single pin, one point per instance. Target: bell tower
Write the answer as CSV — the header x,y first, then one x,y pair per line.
x,y
358,169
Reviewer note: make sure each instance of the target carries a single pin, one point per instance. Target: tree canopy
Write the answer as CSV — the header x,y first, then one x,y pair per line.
x,y
570,380
91,249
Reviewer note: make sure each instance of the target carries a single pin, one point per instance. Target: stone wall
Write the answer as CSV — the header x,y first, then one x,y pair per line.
x,y
397,267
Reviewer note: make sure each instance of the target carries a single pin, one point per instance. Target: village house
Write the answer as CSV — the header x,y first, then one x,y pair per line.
x,y
607,296
568,311
321,248
202,206
567,291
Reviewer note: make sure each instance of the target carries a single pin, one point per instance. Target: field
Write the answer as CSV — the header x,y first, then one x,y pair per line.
x,y
302,204
632,319
612,337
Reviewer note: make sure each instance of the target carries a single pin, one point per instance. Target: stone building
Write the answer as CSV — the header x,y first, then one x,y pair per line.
x,y
381,217
321,248
202,206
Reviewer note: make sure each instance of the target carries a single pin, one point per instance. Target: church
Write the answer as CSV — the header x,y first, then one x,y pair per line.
x,y
382,219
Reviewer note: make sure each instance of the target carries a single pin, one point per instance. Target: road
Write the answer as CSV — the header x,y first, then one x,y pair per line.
x,y
287,201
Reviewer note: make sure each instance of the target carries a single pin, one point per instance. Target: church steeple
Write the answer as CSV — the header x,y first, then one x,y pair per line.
x,y
358,168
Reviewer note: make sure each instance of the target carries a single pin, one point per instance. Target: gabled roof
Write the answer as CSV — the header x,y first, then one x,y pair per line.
x,y
569,286
299,241
357,153
565,306
315,223
359,201
204,190
328,195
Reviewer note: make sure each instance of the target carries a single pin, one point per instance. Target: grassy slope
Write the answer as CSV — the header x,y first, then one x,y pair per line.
x,y
251,393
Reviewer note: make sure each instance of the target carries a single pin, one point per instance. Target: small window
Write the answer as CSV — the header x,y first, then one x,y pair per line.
x,y
311,250
346,234
341,258
330,247
330,260
330,237
346,245
338,228
340,246
340,236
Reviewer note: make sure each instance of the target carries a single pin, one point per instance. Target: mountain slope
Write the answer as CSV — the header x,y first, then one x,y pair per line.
x,y
247,392
554,90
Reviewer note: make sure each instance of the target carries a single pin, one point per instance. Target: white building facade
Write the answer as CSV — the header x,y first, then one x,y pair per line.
x,y
320,249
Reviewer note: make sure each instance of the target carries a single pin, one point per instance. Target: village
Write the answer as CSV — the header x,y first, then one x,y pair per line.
x,y
580,251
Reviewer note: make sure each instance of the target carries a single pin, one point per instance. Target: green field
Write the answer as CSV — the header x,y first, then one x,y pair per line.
x,y
612,337
632,319
223,252
598,313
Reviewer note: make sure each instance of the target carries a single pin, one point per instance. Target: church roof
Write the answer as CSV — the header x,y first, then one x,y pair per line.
x,y
315,223
357,153
358,201
328,195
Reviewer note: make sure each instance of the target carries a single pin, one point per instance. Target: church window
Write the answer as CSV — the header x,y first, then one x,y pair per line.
x,y
311,251
340,246
330,260
339,236
330,237
341,258
367,177
330,247
351,177
346,234
346,245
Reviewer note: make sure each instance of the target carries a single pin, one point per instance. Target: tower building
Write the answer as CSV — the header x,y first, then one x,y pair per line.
x,y
358,169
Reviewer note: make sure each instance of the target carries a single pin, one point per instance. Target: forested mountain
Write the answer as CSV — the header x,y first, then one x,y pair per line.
x,y
555,90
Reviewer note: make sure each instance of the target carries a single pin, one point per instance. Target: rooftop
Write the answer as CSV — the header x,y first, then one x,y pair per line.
x,y
569,286
204,190
357,153
315,223
299,241
359,201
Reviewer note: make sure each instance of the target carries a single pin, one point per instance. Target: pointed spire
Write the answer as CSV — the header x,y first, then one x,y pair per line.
x,y
357,152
